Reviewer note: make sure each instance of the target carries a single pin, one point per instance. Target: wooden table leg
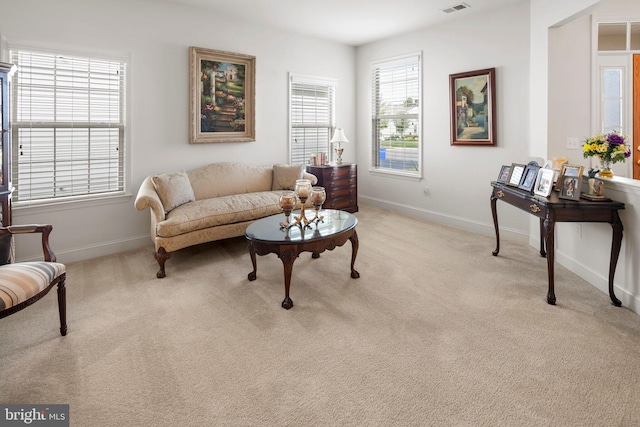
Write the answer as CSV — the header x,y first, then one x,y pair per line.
x,y
354,253
252,253
288,256
543,253
616,243
494,213
549,228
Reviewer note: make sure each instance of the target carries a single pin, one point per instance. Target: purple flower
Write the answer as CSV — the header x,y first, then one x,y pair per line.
x,y
615,139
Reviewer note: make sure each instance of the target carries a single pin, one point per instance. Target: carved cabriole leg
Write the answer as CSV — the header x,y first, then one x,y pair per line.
x,y
62,304
354,253
549,226
615,252
288,256
252,253
495,223
543,253
162,256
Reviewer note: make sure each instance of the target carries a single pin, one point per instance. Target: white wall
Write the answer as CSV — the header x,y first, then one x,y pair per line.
x,y
157,36
457,177
585,251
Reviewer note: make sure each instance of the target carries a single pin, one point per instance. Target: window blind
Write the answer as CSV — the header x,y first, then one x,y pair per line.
x,y
396,90
312,117
68,126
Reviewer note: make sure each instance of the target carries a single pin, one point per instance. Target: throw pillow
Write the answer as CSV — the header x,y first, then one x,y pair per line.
x,y
174,189
285,176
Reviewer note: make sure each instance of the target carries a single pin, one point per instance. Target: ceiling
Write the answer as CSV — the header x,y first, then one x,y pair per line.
x,y
351,22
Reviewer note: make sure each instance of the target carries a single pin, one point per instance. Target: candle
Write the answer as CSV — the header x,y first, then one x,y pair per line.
x,y
302,188
318,195
288,200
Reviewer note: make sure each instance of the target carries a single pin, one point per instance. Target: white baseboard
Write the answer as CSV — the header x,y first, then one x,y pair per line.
x,y
98,250
453,221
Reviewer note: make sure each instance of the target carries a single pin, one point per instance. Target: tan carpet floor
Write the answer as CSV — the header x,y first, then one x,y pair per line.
x,y
436,332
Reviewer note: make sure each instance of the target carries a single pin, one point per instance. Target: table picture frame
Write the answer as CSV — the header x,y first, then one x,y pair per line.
x,y
516,173
222,91
504,173
529,176
570,187
569,170
544,182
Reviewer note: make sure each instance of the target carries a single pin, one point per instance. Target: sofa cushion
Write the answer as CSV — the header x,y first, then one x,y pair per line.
x,y
227,178
174,189
203,214
285,177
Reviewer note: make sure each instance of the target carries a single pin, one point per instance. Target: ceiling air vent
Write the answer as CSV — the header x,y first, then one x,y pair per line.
x,y
456,8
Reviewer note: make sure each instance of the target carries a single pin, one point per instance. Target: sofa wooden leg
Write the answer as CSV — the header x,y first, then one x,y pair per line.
x,y
162,256
62,304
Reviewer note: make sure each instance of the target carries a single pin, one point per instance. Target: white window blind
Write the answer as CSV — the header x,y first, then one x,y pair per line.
x,y
396,128
312,117
68,126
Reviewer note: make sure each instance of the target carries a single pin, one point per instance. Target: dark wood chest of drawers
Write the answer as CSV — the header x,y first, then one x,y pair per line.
x,y
340,183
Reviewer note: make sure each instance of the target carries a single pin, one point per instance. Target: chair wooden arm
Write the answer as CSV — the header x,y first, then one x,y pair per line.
x,y
45,229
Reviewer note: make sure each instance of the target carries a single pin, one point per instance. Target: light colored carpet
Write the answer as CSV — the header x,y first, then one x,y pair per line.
x,y
436,332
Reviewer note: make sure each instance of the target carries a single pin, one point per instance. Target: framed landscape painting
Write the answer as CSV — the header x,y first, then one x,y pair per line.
x,y
222,90
473,107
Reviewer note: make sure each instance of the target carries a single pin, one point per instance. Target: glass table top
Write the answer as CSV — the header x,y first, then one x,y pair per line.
x,y
268,229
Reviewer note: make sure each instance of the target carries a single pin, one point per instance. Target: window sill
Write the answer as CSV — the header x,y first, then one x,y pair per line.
x,y
625,185
396,174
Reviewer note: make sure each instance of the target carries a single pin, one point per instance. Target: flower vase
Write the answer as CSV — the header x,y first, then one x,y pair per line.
x,y
605,169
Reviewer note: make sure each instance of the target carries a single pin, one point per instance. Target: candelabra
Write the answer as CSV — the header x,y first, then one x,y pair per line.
x,y
303,191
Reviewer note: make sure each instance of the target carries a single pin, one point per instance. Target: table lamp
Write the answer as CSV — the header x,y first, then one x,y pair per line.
x,y
339,138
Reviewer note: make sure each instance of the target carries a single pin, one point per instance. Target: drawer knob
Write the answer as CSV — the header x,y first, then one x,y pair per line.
x,y
535,208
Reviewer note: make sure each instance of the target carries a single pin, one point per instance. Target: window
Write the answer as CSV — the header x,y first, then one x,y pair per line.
x,y
68,126
396,124
312,117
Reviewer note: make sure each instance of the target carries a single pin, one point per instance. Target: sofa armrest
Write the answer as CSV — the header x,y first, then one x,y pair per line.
x,y
148,198
311,177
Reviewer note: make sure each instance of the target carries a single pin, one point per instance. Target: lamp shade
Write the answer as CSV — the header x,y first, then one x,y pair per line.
x,y
339,137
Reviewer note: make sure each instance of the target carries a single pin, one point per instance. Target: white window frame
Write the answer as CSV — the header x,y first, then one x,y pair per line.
x,y
375,116
308,123
121,168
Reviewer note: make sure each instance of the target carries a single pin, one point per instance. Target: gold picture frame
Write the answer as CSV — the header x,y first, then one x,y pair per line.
x,y
569,170
222,90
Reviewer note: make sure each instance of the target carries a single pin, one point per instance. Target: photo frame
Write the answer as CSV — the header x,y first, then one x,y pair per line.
x,y
222,91
504,173
569,170
544,182
516,173
529,176
473,107
570,187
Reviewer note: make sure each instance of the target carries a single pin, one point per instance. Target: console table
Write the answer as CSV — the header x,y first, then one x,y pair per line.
x,y
554,209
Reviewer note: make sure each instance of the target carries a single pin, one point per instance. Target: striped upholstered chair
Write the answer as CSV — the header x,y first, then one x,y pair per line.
x,y
23,283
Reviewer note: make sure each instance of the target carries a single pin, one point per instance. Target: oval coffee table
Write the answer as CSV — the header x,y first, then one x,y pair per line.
x,y
265,236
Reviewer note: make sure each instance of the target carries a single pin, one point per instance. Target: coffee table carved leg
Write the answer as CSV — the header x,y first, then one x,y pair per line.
x,y
287,257
253,275
354,253
615,252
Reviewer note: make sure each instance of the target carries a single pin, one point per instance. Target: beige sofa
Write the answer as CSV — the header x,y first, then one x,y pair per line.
x,y
213,202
